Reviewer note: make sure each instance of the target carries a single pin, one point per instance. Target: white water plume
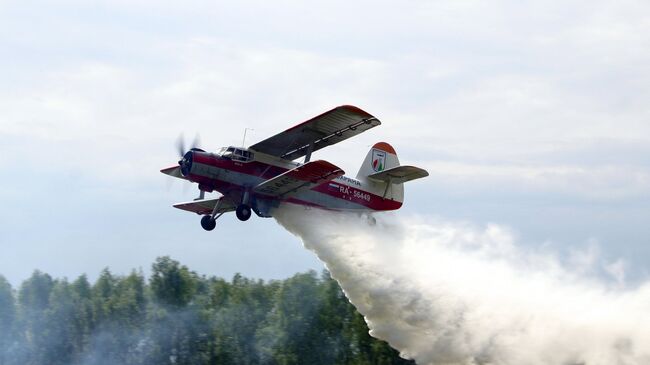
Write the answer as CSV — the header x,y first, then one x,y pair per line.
x,y
445,293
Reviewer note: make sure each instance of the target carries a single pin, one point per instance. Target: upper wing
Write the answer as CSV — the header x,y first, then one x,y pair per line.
x,y
302,177
206,206
326,129
399,174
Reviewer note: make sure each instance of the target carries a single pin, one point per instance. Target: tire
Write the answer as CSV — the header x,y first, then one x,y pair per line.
x,y
208,223
372,221
243,212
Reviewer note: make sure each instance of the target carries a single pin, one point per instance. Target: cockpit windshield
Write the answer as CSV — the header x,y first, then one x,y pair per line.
x,y
236,154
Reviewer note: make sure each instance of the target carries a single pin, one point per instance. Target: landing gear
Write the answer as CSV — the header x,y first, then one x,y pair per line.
x,y
208,223
243,212
372,221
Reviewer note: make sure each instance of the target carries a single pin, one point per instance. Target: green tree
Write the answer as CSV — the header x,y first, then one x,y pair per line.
x,y
334,322
178,317
292,332
83,317
171,283
128,304
242,306
34,293
178,328
7,318
119,307
58,340
33,301
101,296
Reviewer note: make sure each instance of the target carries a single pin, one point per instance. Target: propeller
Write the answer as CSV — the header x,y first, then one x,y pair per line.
x,y
180,144
180,148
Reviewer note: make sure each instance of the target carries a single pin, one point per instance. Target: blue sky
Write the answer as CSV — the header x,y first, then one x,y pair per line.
x,y
530,115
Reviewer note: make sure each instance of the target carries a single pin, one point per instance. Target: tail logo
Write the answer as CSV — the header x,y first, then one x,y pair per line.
x,y
378,160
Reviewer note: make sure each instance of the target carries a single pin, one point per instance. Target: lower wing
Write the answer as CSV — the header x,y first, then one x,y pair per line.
x,y
206,206
302,177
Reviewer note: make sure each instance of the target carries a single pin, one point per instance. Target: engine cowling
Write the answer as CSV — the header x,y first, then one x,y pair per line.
x,y
186,162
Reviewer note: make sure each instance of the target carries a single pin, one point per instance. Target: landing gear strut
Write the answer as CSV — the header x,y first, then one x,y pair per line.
x,y
209,221
243,212
370,219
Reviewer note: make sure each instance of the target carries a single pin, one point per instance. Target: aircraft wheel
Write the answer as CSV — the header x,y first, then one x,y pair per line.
x,y
372,221
243,212
208,223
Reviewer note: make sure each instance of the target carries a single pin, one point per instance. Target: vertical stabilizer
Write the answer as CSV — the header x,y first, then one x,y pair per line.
x,y
381,156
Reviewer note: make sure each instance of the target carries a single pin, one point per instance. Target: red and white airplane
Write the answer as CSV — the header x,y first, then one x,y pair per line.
x,y
265,175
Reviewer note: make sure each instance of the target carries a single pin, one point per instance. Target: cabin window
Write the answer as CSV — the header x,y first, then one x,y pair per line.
x,y
242,155
236,154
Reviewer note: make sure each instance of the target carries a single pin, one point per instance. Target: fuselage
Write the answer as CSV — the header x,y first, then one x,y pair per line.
x,y
234,171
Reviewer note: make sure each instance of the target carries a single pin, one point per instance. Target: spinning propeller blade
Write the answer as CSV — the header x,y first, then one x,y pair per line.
x,y
180,144
196,142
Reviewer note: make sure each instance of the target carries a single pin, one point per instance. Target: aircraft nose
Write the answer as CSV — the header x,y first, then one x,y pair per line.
x,y
186,163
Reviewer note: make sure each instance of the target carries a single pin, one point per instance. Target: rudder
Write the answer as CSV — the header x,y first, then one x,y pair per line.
x,y
382,156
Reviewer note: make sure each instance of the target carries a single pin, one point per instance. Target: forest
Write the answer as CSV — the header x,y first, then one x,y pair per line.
x,y
176,316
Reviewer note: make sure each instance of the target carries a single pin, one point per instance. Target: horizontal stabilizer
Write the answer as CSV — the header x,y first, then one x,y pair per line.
x,y
399,174
302,177
205,206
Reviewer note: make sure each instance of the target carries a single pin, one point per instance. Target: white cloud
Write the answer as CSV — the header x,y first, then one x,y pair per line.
x,y
502,83
606,183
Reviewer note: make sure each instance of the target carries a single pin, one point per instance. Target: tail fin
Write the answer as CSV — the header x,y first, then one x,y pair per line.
x,y
381,157
384,176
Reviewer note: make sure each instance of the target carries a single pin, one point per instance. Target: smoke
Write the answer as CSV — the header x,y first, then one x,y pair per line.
x,y
446,293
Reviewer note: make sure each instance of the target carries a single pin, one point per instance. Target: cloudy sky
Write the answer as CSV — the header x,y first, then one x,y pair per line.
x,y
532,115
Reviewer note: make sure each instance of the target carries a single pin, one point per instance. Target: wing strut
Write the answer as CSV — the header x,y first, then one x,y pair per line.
x,y
310,149
215,210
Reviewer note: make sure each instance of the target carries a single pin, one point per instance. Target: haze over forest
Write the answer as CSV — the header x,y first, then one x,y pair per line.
x,y
180,317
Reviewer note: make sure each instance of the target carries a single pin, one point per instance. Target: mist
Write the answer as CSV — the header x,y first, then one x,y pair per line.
x,y
450,293
180,317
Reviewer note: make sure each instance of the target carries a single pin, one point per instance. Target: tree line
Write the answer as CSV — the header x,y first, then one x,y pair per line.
x,y
179,317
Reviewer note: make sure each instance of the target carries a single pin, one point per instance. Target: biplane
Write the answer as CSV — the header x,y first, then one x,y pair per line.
x,y
265,175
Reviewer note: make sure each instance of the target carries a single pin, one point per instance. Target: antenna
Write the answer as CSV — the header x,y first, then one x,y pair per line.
x,y
243,142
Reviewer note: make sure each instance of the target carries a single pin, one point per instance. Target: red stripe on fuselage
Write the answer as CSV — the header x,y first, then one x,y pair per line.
x,y
254,168
358,196
266,171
